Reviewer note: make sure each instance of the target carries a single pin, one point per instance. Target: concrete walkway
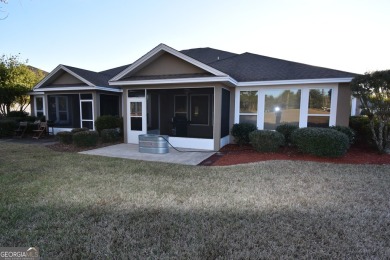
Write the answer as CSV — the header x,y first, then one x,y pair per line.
x,y
130,151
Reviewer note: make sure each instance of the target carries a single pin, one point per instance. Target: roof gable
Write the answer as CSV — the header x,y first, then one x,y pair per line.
x,y
62,75
159,56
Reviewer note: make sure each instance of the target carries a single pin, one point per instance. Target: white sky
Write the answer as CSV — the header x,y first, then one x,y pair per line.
x,y
96,35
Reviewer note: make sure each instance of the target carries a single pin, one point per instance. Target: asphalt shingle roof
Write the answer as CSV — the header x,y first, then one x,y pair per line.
x,y
242,67
253,67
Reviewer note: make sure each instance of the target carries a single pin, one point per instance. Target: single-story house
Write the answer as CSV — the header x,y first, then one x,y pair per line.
x,y
195,96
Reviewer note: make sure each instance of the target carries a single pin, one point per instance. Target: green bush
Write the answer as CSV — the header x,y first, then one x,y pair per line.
x,y
86,138
320,141
65,137
107,122
361,126
241,131
17,114
347,131
7,127
76,130
286,130
23,119
109,135
266,140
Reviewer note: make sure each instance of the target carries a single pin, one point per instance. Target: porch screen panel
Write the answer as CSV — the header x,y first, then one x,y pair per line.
x,y
199,109
225,112
109,105
87,114
39,106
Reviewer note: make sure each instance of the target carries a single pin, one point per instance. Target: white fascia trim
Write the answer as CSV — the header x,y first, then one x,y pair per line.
x,y
293,82
163,47
36,93
59,67
79,89
175,81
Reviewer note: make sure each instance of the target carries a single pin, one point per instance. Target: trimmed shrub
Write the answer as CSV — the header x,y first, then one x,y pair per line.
x,y
286,130
76,130
347,131
266,140
86,138
106,122
7,127
65,137
17,114
320,141
109,135
241,131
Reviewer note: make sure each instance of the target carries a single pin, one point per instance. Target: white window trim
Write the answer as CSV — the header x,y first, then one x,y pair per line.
x,y
304,105
43,106
208,108
81,111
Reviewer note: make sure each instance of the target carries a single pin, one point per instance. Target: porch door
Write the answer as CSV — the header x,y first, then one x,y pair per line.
x,y
136,123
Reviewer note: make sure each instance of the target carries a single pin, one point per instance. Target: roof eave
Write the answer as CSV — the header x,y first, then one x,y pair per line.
x,y
224,79
293,82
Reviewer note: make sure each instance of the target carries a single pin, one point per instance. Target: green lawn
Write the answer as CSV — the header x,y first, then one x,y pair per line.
x,y
80,206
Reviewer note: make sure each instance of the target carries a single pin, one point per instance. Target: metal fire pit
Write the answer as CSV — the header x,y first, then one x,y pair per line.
x,y
153,143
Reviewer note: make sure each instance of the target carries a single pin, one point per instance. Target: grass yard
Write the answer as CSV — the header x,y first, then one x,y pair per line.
x,y
85,207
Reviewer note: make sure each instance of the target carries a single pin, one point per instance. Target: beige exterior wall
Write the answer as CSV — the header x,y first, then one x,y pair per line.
x,y
343,105
67,79
167,64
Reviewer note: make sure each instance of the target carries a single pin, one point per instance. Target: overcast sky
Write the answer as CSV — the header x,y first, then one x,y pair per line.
x,y
97,35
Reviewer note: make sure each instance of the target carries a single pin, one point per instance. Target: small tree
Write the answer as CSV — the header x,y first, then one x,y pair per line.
x,y
16,80
373,90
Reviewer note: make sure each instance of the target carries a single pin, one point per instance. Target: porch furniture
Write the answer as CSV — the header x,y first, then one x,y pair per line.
x,y
21,129
41,131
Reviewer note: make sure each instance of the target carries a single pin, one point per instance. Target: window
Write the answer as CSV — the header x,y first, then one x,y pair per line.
x,y
319,107
181,106
136,93
39,107
248,107
281,106
58,109
86,110
199,109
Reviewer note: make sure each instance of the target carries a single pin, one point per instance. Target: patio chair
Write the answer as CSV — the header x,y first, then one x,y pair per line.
x,y
21,129
41,131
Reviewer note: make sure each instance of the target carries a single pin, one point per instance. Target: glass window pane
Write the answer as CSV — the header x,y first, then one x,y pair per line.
x,y
200,110
85,96
135,108
281,106
319,101
136,123
86,110
87,124
249,119
248,102
39,103
318,121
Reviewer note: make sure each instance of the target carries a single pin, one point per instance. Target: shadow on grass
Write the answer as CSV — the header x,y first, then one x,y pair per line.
x,y
98,232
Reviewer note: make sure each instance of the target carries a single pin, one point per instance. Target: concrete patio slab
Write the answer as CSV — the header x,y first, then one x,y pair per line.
x,y
130,151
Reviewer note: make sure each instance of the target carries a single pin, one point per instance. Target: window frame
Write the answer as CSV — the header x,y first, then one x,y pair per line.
x,y
81,110
174,106
36,110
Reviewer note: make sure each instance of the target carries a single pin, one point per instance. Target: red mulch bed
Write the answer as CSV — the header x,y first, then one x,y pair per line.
x,y
233,154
